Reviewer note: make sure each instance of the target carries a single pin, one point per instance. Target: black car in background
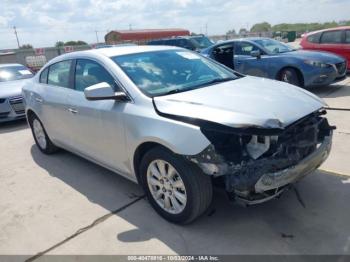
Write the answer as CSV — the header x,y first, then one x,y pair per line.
x,y
194,43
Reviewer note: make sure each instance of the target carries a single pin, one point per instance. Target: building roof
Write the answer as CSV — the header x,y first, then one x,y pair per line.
x,y
143,34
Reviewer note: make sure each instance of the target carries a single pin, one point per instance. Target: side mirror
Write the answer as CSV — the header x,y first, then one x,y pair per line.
x,y
103,91
256,54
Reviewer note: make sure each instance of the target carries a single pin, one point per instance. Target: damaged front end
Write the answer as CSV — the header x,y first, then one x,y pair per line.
x,y
256,165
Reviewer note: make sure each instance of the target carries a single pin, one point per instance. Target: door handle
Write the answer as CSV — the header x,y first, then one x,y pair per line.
x,y
38,99
72,110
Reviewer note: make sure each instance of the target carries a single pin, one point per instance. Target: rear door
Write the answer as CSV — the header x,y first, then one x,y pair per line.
x,y
245,63
55,85
97,126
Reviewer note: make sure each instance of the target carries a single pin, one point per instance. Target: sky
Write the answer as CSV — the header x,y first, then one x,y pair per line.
x,y
42,23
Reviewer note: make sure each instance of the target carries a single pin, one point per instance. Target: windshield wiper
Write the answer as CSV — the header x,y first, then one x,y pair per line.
x,y
218,80
213,81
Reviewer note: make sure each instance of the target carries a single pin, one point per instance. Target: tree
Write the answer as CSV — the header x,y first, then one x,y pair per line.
x,y
231,32
261,27
59,44
243,31
26,46
79,42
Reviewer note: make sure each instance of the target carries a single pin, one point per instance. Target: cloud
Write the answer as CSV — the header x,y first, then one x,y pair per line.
x,y
43,22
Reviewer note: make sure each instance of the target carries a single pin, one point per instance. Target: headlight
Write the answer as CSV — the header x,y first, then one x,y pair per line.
x,y
316,63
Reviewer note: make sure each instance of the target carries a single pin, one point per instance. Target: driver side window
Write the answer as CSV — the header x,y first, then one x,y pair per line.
x,y
88,73
244,48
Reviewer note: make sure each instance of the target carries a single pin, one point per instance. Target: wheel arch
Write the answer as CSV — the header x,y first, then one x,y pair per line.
x,y
299,72
140,151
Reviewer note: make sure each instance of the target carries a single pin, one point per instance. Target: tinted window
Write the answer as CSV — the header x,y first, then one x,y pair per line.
x,y
244,48
315,38
160,72
43,76
11,73
59,74
88,73
332,37
347,36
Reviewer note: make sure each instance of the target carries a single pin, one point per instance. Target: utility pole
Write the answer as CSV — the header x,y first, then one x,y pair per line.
x,y
206,29
130,27
14,28
96,36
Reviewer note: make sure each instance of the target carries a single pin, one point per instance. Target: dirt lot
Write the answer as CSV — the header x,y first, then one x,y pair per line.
x,y
63,204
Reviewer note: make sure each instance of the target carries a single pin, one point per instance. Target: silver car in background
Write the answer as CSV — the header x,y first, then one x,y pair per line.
x,y
12,79
177,123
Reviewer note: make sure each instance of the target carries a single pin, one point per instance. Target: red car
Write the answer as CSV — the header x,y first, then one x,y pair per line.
x,y
335,40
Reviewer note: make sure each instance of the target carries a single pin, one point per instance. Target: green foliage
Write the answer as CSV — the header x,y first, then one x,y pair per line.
x,y
243,31
26,46
261,27
59,44
75,43
231,32
305,27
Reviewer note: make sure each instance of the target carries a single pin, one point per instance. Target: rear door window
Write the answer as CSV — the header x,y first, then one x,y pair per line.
x,y
332,37
244,48
43,76
59,74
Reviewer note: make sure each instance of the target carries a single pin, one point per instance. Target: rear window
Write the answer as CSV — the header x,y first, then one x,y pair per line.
x,y
11,73
332,37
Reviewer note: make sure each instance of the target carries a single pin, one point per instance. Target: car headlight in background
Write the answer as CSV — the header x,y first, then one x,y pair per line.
x,y
316,63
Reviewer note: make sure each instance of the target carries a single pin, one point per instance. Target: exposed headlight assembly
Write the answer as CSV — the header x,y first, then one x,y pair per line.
x,y
316,63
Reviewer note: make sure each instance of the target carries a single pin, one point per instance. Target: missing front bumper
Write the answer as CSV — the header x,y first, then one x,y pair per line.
x,y
290,175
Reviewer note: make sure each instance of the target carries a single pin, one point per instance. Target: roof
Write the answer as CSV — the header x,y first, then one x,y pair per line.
x,y
125,50
112,51
329,29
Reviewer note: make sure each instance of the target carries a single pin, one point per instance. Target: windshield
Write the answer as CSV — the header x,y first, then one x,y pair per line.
x,y
10,73
273,46
171,71
202,41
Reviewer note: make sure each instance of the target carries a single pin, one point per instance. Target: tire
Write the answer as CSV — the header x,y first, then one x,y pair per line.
x,y
291,76
41,138
196,187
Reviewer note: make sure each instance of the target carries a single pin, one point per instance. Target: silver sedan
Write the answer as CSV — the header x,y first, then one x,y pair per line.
x,y
177,123
12,79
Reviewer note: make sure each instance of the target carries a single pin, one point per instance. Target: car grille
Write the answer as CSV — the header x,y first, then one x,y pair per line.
x,y
17,104
341,68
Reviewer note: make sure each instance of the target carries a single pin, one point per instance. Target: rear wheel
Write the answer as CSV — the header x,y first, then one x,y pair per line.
x,y
175,187
40,136
291,76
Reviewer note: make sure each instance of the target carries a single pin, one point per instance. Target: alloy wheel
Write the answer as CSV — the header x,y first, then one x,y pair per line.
x,y
166,186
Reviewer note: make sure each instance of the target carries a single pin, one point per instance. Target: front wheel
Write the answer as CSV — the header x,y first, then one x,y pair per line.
x,y
290,75
175,187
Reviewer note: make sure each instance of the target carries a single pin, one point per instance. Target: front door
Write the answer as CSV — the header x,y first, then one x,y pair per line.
x,y
247,64
97,126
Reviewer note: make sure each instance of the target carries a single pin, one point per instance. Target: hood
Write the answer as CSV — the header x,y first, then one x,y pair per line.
x,y
324,57
12,88
245,102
